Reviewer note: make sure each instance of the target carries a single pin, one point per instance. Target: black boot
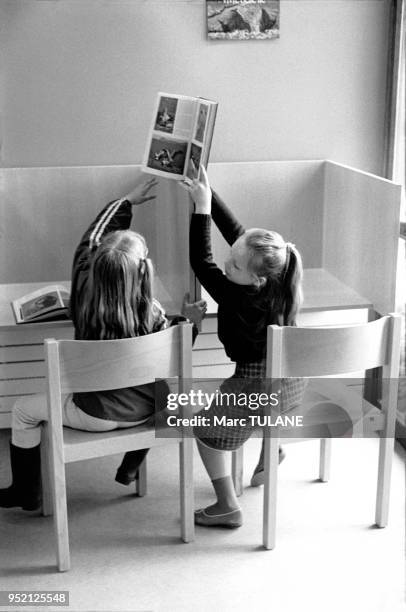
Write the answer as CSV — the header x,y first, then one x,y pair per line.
x,y
128,470
25,490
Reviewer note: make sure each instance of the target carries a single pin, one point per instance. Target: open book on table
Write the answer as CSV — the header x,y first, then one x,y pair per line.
x,y
181,132
46,304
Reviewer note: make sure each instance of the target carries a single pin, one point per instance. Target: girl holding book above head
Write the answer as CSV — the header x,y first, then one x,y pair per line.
x,y
111,298
261,285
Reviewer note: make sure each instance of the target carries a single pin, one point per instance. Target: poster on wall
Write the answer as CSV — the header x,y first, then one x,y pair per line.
x,y
242,19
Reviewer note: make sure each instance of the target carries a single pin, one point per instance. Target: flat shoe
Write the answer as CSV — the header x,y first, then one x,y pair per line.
x,y
229,520
258,476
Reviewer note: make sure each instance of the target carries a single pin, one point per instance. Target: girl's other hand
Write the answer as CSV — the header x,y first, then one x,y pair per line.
x,y
194,311
200,192
140,193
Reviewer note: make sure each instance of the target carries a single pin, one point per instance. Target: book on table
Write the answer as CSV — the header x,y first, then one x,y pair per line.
x,y
180,136
51,303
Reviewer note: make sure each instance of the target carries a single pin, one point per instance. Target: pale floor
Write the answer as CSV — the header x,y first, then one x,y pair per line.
x,y
127,555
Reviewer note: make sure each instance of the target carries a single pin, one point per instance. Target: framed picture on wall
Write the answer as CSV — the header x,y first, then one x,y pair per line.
x,y
242,19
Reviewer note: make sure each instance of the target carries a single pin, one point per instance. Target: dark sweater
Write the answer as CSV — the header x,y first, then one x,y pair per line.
x,y
241,321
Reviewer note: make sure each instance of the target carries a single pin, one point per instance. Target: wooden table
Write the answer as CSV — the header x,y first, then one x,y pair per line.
x,y
22,368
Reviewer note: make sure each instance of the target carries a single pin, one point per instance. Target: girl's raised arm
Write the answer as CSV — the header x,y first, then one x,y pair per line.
x,y
209,202
116,215
230,228
201,257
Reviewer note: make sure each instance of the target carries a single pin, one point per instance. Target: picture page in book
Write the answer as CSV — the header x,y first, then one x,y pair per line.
x,y
181,131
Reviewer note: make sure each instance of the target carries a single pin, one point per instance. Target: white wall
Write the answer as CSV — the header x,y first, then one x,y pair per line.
x,y
81,75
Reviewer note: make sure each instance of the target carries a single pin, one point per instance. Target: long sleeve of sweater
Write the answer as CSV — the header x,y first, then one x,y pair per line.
x,y
201,257
229,226
116,215
209,274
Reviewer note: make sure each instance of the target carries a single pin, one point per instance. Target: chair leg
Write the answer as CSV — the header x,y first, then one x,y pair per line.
x,y
271,460
186,490
60,508
45,472
325,459
237,469
384,477
141,481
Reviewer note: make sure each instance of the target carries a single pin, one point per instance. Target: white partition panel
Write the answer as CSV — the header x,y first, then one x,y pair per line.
x,y
284,196
44,212
361,232
342,220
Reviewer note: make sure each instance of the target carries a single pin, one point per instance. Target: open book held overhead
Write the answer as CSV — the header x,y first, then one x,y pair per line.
x,y
181,132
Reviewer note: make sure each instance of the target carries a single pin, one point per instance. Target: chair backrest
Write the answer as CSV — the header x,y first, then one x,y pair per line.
x,y
330,351
85,365
98,365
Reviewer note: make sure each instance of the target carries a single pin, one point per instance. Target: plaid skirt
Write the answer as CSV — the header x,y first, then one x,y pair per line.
x,y
247,381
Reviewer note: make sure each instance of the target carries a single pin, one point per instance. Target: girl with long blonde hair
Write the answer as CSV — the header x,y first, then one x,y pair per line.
x,y
111,298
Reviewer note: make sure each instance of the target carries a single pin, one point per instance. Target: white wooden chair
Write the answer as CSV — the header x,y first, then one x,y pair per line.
x,y
327,352
82,366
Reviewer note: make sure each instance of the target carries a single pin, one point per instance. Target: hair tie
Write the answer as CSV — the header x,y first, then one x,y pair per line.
x,y
290,245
